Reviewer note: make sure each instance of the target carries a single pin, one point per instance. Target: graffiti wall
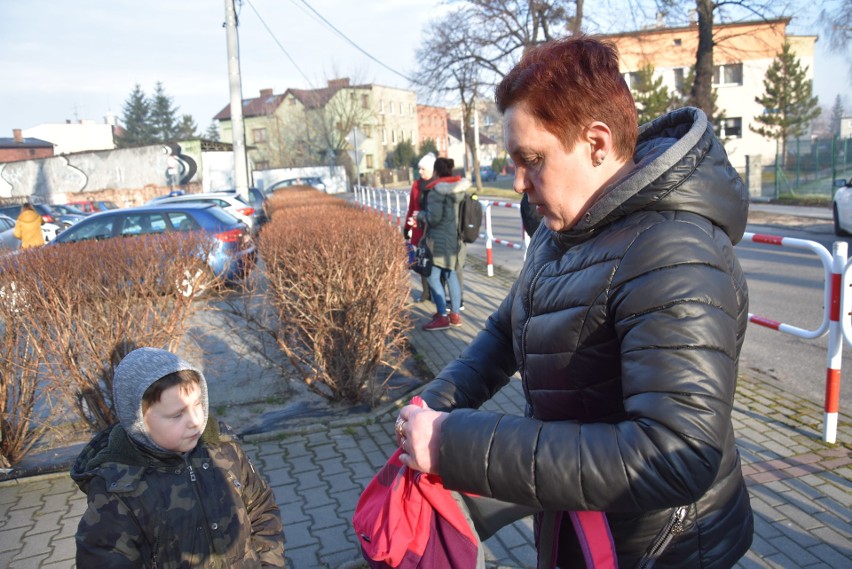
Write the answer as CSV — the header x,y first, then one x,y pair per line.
x,y
131,172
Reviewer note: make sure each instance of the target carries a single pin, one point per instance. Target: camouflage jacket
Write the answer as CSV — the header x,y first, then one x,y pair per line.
x,y
208,508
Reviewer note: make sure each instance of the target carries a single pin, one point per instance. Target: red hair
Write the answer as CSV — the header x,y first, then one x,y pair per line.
x,y
567,84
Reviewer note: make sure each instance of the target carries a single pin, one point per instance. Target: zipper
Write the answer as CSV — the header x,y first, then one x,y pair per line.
x,y
673,528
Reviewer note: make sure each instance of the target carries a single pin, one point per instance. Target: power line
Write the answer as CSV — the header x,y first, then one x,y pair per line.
x,y
275,39
353,44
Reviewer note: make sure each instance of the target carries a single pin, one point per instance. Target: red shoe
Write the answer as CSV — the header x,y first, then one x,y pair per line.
x,y
455,319
438,323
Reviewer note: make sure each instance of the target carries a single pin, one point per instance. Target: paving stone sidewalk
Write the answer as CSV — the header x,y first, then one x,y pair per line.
x,y
801,488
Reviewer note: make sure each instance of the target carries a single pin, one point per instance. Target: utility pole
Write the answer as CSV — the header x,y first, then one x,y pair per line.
x,y
237,128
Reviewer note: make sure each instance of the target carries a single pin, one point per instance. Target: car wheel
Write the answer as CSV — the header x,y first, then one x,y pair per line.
x,y
838,230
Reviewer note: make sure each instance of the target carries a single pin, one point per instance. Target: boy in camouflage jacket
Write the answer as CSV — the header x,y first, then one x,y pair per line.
x,y
165,487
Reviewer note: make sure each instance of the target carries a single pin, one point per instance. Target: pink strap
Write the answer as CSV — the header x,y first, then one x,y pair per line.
x,y
595,539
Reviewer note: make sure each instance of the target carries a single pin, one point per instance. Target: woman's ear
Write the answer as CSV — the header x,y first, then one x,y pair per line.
x,y
599,137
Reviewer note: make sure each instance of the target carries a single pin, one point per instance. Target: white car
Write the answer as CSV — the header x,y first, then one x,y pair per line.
x,y
842,208
229,202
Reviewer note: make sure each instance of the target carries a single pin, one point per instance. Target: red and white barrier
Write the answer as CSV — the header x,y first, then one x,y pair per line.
x,y
490,240
835,271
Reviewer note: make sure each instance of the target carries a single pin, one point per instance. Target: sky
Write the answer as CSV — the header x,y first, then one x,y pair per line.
x,y
80,59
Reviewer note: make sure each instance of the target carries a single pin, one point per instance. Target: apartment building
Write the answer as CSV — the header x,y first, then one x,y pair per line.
x,y
742,54
300,127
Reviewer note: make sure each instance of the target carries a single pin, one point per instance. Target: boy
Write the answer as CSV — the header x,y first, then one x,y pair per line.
x,y
165,487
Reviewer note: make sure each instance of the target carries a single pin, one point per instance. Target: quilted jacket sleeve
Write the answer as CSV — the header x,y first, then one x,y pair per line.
x,y
675,304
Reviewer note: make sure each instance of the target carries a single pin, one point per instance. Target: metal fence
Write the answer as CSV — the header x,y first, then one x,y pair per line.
x,y
810,168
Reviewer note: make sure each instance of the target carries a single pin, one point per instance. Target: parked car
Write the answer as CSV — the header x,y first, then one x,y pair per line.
x,y
312,181
67,215
257,199
49,228
234,248
8,242
91,206
842,207
487,174
231,203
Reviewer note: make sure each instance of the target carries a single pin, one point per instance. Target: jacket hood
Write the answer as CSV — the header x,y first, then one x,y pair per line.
x,y
450,185
133,375
680,165
28,216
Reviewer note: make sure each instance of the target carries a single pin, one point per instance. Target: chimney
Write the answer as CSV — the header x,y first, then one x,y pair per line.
x,y
338,83
266,92
16,134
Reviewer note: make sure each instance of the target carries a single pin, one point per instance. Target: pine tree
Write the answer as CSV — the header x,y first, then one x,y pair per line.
x,y
186,128
836,116
163,113
136,118
651,96
788,101
212,132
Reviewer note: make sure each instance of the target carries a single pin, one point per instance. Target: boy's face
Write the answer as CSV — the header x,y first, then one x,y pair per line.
x,y
176,421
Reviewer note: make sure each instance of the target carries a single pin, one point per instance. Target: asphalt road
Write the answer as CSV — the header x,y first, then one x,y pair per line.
x,y
785,285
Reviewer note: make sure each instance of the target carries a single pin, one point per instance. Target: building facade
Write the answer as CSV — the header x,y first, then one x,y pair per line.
x,y
742,54
20,147
308,127
432,125
68,137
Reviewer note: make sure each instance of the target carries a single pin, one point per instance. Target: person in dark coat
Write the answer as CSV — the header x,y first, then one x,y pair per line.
x,y
625,324
165,487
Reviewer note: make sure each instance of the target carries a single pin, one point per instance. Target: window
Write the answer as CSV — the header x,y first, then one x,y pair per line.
x,y
729,127
633,79
384,136
262,165
381,106
365,101
291,101
393,137
401,109
677,42
369,158
679,76
259,134
411,109
390,108
728,74
367,130
182,221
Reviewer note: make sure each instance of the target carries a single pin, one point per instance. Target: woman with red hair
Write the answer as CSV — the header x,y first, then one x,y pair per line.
x,y
625,324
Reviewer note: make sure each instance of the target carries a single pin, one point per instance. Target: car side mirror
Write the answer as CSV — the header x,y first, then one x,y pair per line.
x,y
840,182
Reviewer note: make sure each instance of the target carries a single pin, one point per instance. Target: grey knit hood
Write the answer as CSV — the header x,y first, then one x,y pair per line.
x,y
133,375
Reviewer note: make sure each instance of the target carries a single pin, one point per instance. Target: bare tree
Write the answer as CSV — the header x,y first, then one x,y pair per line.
x,y
836,19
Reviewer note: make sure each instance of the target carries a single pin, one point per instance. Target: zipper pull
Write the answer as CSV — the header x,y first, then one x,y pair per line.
x,y
679,516
191,473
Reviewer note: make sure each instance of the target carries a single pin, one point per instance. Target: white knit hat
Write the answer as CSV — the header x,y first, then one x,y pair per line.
x,y
427,163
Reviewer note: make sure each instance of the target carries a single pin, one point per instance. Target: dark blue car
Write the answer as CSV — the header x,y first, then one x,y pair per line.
x,y
234,249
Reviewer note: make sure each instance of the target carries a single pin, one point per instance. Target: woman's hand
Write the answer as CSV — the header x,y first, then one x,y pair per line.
x,y
419,435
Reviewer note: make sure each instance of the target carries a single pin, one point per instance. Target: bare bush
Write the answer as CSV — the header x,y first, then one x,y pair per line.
x,y
90,303
332,294
22,423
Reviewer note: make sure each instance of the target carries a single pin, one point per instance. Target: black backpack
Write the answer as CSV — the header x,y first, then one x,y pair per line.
x,y
470,218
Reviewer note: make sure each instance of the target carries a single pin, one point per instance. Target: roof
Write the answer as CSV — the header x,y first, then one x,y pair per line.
x,y
454,130
267,104
26,142
257,107
694,28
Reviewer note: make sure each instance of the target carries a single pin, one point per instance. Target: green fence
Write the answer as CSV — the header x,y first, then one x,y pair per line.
x,y
811,168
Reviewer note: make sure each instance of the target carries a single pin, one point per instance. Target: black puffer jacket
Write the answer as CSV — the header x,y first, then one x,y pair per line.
x,y
627,331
